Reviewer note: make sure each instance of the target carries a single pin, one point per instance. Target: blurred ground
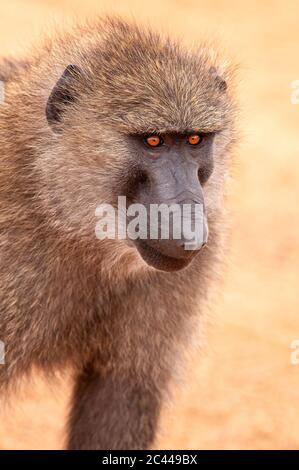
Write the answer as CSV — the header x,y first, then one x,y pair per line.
x,y
243,392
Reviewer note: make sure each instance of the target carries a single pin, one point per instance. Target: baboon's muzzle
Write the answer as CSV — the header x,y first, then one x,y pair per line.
x,y
177,225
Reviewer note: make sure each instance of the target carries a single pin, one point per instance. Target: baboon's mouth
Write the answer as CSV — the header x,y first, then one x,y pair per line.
x,y
160,261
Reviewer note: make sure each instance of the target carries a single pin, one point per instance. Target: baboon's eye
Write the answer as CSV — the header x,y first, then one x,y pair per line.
x,y
194,139
154,140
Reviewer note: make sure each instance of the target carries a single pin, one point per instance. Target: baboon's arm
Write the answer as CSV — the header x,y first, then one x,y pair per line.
x,y
112,413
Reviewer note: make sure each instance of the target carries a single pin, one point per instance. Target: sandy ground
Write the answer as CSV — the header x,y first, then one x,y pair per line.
x,y
243,391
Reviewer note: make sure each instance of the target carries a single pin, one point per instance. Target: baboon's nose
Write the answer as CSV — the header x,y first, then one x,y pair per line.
x,y
176,251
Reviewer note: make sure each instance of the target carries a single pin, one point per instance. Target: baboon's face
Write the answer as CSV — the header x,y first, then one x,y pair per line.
x,y
169,170
155,138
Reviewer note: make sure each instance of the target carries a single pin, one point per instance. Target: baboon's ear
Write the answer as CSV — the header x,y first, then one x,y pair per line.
x,y
218,78
62,95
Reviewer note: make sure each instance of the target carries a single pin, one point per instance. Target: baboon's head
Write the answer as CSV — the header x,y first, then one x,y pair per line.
x,y
134,115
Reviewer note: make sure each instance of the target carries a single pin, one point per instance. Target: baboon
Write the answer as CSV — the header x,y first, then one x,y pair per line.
x,y
108,108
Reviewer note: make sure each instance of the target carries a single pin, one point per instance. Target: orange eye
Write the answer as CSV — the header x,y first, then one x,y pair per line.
x,y
154,140
194,139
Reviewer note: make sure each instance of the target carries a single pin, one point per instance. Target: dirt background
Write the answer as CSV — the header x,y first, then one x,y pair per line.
x,y
243,392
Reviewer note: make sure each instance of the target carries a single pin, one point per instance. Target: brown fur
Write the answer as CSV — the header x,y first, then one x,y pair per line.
x,y
67,298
